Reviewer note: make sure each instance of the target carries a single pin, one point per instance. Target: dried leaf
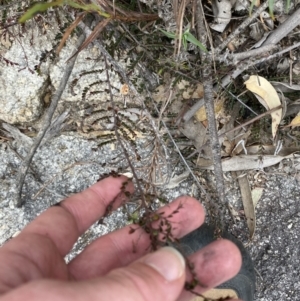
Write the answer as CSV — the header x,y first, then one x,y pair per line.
x,y
242,5
270,150
244,162
267,96
295,121
201,114
256,195
256,31
247,202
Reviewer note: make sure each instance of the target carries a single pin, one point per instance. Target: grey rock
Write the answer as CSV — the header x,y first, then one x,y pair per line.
x,y
22,88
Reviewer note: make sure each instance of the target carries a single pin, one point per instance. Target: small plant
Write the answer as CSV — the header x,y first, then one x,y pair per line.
x,y
186,37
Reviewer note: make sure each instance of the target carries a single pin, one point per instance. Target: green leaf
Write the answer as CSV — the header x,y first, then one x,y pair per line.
x,y
187,31
287,7
168,34
189,37
271,8
37,8
251,6
184,42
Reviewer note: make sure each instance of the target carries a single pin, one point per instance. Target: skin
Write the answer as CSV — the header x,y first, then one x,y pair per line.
x,y
114,266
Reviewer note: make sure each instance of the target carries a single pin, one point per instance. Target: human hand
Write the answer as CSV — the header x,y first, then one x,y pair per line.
x,y
32,265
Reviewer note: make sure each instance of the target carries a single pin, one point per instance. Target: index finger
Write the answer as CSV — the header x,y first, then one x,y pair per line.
x,y
65,223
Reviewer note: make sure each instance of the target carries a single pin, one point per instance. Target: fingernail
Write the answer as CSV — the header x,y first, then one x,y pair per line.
x,y
168,262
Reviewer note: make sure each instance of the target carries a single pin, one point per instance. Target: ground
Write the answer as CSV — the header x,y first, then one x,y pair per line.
x,y
81,145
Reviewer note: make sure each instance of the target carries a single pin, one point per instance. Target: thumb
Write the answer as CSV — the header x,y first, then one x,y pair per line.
x,y
158,276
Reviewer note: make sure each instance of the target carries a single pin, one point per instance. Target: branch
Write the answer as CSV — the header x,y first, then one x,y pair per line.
x,y
47,122
207,62
234,58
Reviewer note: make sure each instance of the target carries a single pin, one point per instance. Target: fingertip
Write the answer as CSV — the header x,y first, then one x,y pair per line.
x,y
234,260
216,263
194,211
168,262
191,203
113,185
97,200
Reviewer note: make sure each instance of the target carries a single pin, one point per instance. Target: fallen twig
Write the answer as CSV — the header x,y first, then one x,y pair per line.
x,y
47,122
234,58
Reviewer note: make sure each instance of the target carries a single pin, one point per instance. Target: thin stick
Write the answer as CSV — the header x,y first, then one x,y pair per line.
x,y
273,56
47,122
251,121
125,152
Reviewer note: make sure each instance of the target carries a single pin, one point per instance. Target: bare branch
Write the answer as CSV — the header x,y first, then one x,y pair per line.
x,y
234,58
47,122
207,62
